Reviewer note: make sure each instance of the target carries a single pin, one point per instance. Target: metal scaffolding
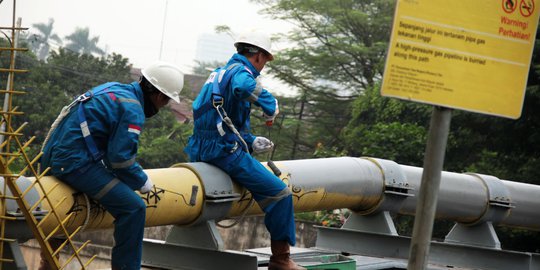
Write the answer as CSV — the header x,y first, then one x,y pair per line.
x,y
14,149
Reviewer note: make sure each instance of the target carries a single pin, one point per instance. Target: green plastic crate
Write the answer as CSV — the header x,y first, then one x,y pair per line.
x,y
327,262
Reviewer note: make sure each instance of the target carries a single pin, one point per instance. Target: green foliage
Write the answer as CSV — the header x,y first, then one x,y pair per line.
x,y
162,141
80,72
335,40
338,53
518,239
387,128
328,218
52,85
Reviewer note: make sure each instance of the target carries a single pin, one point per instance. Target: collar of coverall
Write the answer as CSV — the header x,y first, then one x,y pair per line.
x,y
138,92
242,59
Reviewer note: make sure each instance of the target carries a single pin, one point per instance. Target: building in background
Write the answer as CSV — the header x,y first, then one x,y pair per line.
x,y
214,48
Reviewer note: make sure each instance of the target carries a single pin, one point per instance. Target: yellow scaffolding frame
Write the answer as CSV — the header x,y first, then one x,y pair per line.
x,y
11,149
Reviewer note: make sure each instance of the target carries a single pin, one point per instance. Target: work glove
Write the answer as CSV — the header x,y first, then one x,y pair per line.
x,y
261,145
147,187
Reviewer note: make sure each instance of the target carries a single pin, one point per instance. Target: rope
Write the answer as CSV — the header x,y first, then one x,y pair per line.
x,y
65,110
87,219
237,220
231,126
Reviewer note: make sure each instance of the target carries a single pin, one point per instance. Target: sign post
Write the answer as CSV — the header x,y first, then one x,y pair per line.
x,y
461,54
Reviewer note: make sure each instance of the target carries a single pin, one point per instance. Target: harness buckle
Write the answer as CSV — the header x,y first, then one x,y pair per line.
x,y
84,97
217,100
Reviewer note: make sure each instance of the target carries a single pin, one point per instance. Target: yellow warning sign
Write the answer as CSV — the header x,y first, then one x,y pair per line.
x,y
462,54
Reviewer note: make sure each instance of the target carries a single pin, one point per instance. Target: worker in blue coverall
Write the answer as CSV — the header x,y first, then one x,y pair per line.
x,y
222,137
93,145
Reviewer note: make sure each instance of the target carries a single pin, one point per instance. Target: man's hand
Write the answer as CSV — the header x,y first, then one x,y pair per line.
x,y
147,187
261,145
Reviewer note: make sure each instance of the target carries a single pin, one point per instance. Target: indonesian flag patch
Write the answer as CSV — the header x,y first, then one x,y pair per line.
x,y
134,129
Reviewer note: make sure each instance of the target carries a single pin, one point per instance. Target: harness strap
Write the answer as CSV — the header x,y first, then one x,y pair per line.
x,y
90,143
221,80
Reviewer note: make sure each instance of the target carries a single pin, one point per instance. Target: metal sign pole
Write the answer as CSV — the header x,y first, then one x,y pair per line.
x,y
429,188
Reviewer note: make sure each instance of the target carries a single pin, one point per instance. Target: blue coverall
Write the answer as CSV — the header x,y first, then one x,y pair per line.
x,y
115,120
228,153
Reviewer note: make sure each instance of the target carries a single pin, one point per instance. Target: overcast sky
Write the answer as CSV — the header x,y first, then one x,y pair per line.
x,y
134,28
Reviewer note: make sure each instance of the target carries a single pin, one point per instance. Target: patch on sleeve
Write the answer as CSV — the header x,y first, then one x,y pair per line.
x,y
134,129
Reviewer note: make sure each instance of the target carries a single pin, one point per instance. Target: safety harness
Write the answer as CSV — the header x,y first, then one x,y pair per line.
x,y
90,143
221,79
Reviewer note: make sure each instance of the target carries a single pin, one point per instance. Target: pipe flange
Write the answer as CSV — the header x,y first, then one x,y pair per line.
x,y
499,201
31,198
218,190
396,187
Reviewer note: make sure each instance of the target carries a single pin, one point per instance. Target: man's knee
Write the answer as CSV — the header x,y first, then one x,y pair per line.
x,y
140,207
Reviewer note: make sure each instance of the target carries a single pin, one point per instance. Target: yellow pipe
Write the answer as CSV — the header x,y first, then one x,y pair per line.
x,y
306,198
167,203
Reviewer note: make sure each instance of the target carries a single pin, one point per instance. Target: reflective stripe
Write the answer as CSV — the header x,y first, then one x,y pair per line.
x,y
220,129
271,199
84,129
221,74
233,66
124,164
256,93
129,100
211,77
106,188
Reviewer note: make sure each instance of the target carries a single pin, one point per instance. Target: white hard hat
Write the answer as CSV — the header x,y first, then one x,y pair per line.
x,y
256,38
167,78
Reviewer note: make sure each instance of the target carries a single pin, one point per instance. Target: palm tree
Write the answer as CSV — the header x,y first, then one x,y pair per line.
x,y
81,42
40,42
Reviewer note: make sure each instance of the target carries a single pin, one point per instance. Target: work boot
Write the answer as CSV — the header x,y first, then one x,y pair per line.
x,y
280,259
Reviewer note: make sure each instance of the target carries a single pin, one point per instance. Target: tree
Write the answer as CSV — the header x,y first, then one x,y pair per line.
x,y
67,74
340,42
163,141
387,128
40,42
338,53
54,84
81,42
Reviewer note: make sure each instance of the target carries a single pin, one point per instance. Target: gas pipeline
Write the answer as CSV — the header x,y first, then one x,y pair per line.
x,y
192,193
